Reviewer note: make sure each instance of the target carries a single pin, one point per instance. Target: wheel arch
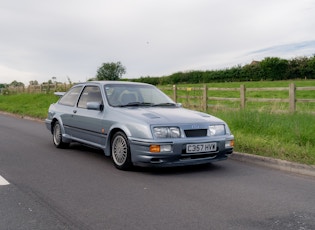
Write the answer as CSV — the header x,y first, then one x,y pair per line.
x,y
110,136
63,132
121,154
53,122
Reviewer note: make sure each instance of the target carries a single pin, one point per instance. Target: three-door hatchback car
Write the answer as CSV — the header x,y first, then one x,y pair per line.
x,y
137,124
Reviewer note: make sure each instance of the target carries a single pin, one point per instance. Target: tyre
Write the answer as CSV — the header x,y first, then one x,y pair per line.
x,y
120,151
57,136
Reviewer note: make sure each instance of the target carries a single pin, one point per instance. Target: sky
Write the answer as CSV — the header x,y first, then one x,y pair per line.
x,y
70,39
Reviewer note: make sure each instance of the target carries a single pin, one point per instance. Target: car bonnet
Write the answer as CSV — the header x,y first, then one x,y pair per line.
x,y
161,115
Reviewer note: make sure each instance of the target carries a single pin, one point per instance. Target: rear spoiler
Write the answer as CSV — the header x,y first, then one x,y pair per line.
x,y
59,94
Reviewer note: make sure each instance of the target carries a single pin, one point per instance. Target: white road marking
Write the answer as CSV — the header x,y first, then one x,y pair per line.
x,y
3,181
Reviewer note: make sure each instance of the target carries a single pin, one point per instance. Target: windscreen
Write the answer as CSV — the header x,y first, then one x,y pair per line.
x,y
126,94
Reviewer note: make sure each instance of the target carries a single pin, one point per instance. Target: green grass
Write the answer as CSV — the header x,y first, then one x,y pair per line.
x,y
283,136
257,131
33,105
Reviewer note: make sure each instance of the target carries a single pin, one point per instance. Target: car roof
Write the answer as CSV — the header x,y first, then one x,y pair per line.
x,y
112,82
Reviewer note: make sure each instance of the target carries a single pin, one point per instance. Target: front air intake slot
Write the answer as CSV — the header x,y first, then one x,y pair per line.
x,y
196,133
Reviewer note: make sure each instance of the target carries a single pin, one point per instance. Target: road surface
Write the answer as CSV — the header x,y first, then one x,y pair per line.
x,y
79,188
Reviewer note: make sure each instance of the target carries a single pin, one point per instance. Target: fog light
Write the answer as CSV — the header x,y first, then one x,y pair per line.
x,y
229,144
166,148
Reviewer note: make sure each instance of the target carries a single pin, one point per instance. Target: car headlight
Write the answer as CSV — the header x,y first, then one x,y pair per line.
x,y
216,130
166,132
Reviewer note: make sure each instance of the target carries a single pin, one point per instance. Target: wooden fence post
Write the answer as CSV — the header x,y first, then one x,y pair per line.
x,y
175,93
243,96
205,98
292,97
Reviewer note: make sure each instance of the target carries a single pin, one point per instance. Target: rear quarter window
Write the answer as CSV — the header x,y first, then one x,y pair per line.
x,y
71,97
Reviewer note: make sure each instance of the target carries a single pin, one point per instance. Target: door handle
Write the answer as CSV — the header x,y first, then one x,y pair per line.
x,y
74,111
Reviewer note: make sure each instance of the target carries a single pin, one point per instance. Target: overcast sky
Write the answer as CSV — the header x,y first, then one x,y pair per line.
x,y
72,38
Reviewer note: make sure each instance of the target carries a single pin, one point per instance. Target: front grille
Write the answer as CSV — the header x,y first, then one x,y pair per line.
x,y
196,133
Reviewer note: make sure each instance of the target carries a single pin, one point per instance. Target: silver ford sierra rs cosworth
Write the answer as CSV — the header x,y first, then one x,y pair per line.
x,y
137,124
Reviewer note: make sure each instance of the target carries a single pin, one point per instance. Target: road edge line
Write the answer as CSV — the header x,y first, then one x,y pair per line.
x,y
3,181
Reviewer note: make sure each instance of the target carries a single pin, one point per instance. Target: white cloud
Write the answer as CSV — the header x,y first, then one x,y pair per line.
x,y
40,40
8,75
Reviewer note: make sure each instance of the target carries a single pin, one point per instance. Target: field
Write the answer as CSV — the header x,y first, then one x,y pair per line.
x,y
259,129
190,95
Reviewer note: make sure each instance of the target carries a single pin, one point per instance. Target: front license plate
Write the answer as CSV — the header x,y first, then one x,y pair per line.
x,y
203,147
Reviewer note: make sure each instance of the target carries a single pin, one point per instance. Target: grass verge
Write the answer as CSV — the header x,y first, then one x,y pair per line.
x,y
283,136
33,105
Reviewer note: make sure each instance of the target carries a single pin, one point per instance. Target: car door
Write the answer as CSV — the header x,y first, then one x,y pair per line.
x,y
88,121
67,106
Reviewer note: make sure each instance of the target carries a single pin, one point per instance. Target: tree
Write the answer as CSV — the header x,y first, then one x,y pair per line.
x,y
274,68
16,83
33,82
310,68
110,71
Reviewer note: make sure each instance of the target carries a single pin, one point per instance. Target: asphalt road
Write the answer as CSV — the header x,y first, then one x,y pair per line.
x,y
79,188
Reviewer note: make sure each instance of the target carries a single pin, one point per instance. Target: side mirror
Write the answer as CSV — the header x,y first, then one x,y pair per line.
x,y
94,106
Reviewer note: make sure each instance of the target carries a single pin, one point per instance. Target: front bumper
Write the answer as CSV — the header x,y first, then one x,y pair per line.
x,y
48,124
141,156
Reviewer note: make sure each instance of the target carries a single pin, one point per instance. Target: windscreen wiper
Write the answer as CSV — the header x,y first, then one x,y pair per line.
x,y
165,104
136,104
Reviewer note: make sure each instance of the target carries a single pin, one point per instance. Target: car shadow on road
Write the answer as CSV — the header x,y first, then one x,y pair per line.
x,y
87,151
210,167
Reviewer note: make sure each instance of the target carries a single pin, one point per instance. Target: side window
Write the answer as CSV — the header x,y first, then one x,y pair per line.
x,y
90,94
71,97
